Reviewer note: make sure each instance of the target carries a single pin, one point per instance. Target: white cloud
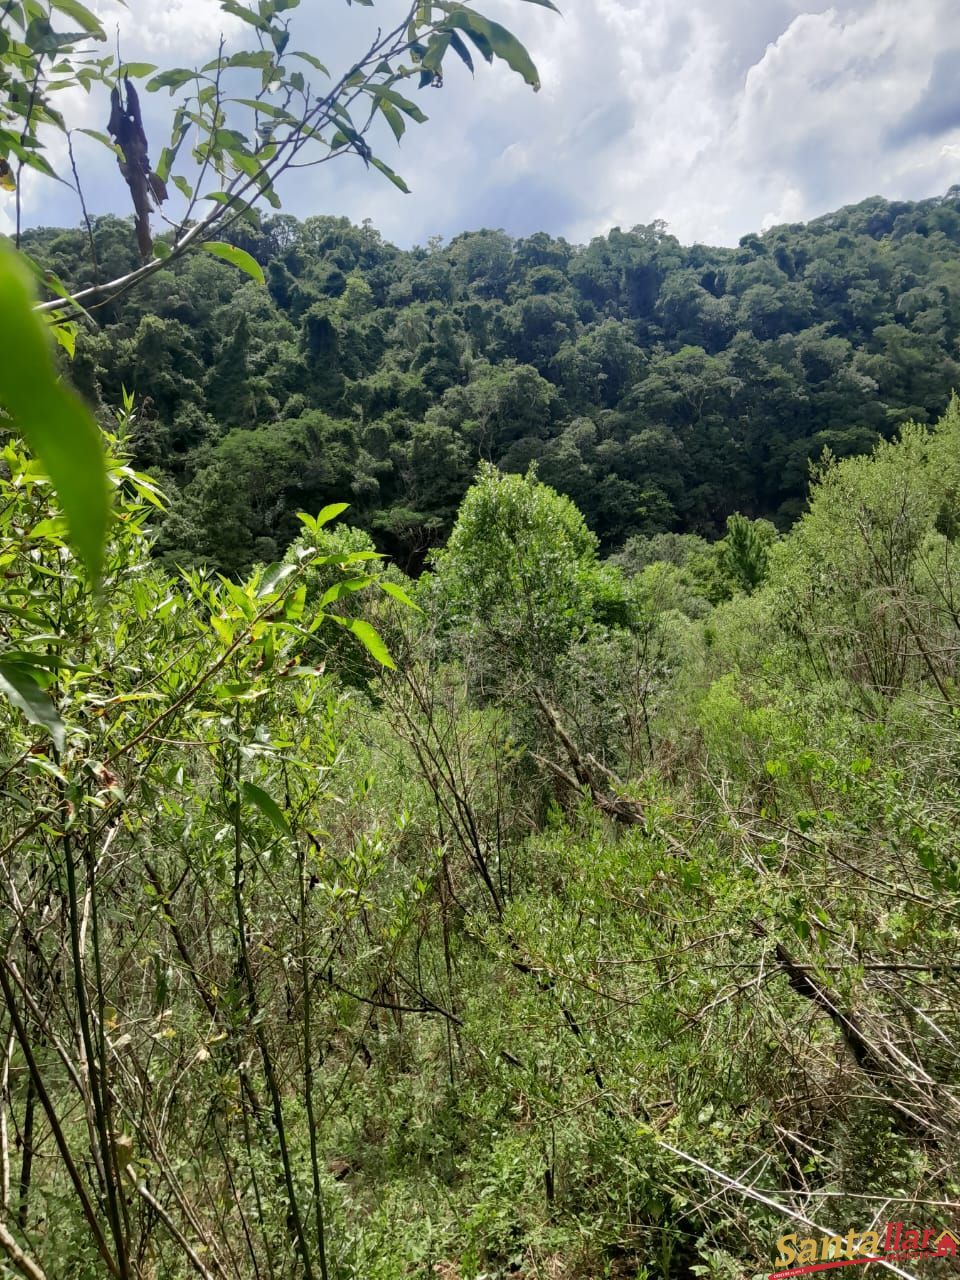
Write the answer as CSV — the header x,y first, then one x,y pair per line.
x,y
185,30
720,116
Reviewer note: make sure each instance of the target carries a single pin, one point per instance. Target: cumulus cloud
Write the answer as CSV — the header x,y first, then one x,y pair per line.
x,y
938,109
719,117
722,117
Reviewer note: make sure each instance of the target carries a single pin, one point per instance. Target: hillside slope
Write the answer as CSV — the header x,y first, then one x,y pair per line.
x,y
661,386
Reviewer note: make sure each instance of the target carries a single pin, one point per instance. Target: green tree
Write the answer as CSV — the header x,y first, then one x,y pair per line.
x,y
517,572
744,553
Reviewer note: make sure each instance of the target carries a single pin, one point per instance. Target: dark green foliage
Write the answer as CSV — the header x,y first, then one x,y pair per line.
x,y
661,386
744,553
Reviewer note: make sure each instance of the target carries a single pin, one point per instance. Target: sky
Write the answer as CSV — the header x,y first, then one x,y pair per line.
x,y
721,117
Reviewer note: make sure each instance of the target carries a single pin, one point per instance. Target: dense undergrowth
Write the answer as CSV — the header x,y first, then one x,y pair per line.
x,y
604,924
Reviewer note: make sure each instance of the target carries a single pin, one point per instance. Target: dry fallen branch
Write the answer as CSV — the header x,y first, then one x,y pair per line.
x,y
882,1065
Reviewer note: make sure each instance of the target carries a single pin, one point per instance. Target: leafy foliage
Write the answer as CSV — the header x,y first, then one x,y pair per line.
x,y
511,953
589,918
518,567
241,145
641,376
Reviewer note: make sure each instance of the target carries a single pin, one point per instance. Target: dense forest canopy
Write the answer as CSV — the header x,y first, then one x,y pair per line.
x,y
661,386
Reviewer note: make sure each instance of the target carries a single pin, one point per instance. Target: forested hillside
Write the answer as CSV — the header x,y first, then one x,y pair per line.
x,y
416,863
661,387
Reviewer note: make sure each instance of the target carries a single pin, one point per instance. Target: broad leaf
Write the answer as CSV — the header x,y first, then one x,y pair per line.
x,y
52,419
400,102
20,688
236,257
137,70
314,62
398,593
274,577
65,333
461,50
389,173
82,16
343,588
433,58
104,139
267,805
330,512
393,118
498,39
260,59
368,637
171,80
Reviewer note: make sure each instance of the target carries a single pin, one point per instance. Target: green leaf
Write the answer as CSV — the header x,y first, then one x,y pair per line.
x,y
41,37
368,637
168,155
393,118
398,593
236,257
265,108
267,806
273,577
400,102
461,50
82,16
65,334
314,62
500,40
22,691
103,138
330,512
546,4
53,420
229,139
171,80
389,173
343,588
483,44
349,557
436,48
246,164
136,70
27,615
260,59
244,14
33,160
